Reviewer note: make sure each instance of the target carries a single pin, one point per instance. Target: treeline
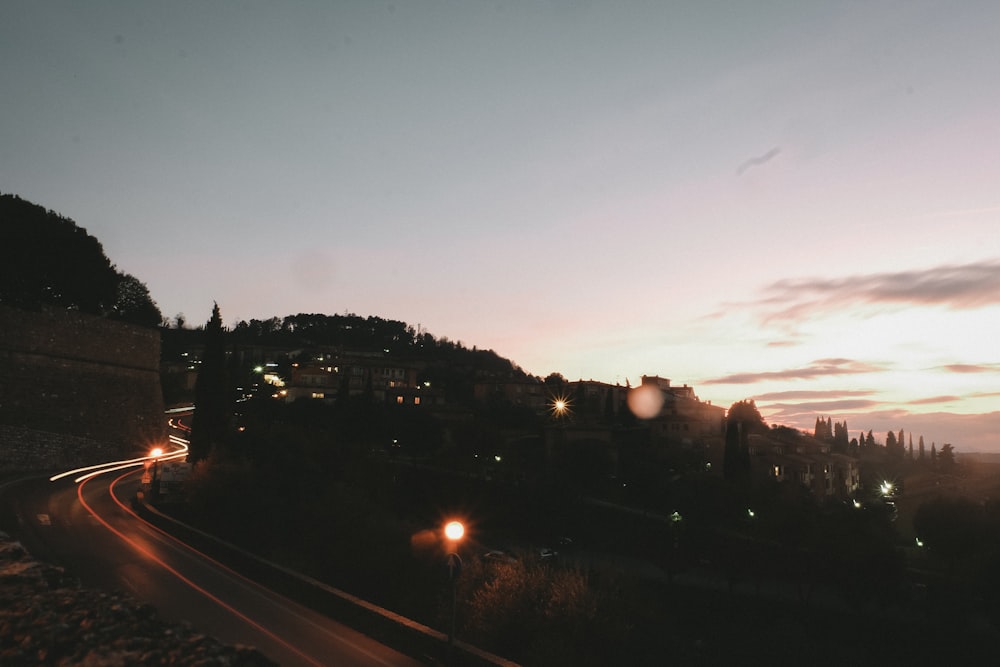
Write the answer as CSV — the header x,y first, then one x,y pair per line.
x,y
391,337
896,446
449,366
50,261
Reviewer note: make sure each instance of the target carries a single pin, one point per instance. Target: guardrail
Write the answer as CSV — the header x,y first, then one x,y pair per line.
x,y
383,625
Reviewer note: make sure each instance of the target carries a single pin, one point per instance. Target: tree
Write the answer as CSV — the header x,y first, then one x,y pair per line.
x,y
211,396
920,453
134,304
946,457
49,260
840,436
554,380
742,419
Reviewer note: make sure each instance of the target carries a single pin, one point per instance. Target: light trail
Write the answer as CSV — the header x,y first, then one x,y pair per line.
x,y
159,561
111,466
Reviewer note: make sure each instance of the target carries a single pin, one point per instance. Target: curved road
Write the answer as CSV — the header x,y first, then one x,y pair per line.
x,y
91,530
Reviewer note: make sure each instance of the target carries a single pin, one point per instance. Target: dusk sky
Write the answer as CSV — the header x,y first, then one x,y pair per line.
x,y
796,202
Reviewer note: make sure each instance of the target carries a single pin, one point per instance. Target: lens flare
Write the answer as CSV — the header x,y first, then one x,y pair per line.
x,y
645,401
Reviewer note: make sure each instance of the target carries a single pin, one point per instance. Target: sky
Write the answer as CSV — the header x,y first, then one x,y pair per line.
x,y
793,202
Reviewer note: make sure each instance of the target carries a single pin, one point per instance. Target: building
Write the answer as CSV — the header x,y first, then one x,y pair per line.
x,y
806,461
682,415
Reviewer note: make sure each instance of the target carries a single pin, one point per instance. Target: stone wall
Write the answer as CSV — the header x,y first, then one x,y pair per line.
x,y
65,373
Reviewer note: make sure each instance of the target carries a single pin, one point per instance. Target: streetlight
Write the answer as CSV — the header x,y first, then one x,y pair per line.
x,y
454,531
560,407
154,486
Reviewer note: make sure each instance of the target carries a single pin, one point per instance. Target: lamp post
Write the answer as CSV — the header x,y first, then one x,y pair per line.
x,y
154,486
454,531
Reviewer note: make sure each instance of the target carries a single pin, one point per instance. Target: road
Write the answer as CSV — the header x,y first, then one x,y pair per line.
x,y
91,529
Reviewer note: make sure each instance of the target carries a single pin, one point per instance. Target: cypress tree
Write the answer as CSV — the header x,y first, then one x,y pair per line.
x,y
211,414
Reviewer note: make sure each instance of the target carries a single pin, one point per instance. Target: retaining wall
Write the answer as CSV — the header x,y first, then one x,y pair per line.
x,y
63,373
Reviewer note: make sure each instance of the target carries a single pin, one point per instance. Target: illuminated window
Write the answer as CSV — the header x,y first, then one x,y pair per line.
x,y
318,394
399,400
416,400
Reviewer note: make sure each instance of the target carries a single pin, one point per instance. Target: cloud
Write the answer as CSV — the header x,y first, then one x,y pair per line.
x,y
958,287
985,394
970,368
934,399
810,394
818,368
820,407
757,161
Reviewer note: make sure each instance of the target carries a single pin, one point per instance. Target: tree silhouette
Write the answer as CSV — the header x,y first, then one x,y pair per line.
x,y
133,303
742,419
50,261
946,457
212,410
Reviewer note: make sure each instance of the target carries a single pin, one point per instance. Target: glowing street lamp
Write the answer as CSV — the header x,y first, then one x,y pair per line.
x,y
454,531
154,487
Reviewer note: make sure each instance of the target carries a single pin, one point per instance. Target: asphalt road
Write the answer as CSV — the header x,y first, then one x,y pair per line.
x,y
91,530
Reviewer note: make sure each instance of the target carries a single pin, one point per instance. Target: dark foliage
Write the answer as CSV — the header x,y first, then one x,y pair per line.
x,y
50,261
213,396
742,420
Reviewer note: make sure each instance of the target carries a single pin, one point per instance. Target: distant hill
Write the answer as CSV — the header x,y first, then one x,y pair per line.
x,y
354,333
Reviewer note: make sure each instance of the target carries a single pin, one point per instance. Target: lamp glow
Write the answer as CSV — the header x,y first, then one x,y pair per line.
x,y
454,530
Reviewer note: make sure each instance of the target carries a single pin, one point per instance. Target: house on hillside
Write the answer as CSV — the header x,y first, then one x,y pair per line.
x,y
528,392
683,415
806,461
